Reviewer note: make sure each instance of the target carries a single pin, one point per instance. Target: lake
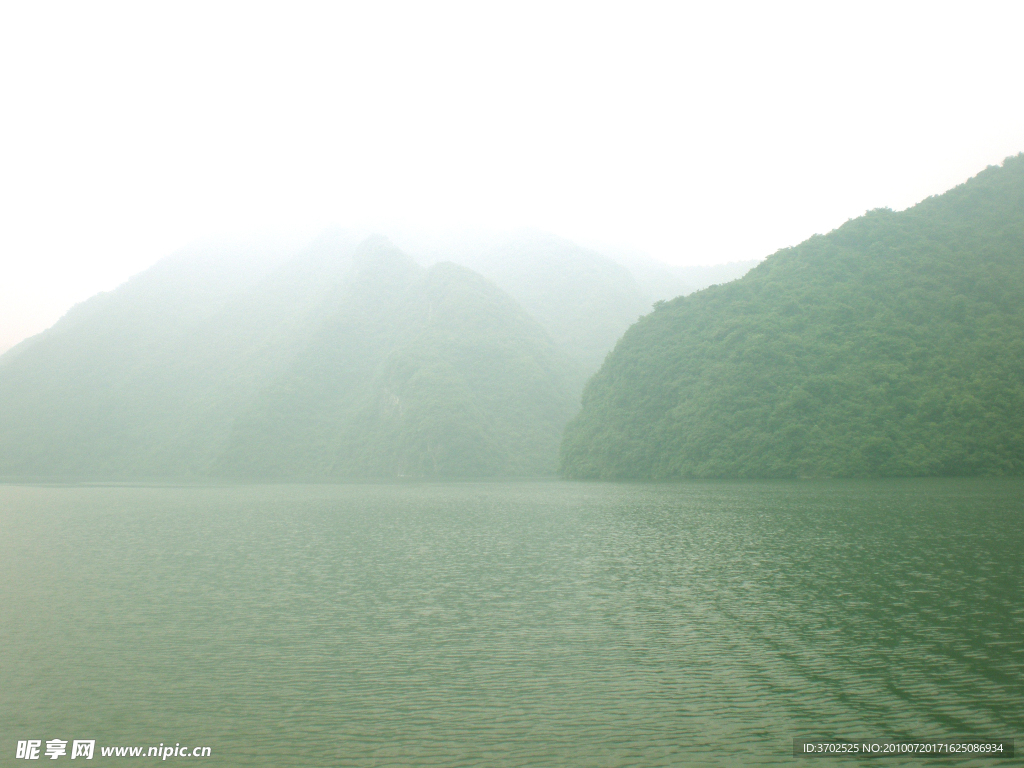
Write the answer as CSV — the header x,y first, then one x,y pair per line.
x,y
511,624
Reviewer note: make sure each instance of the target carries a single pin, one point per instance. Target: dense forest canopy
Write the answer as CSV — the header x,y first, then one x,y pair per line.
x,y
893,346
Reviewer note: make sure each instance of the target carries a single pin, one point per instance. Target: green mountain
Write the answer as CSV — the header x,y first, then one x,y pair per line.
x,y
893,346
344,360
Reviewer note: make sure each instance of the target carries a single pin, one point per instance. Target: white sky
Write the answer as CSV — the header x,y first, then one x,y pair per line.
x,y
698,132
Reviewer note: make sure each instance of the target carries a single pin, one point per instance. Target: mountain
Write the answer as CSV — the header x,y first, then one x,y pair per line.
x,y
419,372
582,298
142,381
344,360
892,346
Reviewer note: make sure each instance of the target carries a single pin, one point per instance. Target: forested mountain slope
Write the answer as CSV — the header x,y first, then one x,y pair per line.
x,y
174,374
893,346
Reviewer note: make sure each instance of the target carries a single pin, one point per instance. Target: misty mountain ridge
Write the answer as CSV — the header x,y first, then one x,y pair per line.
x,y
448,376
890,346
340,359
582,297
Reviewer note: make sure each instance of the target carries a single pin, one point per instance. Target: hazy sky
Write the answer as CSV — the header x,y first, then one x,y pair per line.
x,y
698,132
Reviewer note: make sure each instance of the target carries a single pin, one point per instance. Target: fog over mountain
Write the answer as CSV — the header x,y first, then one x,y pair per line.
x,y
583,298
414,372
344,358
890,346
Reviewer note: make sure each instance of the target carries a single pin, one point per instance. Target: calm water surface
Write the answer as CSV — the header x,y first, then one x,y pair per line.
x,y
511,624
